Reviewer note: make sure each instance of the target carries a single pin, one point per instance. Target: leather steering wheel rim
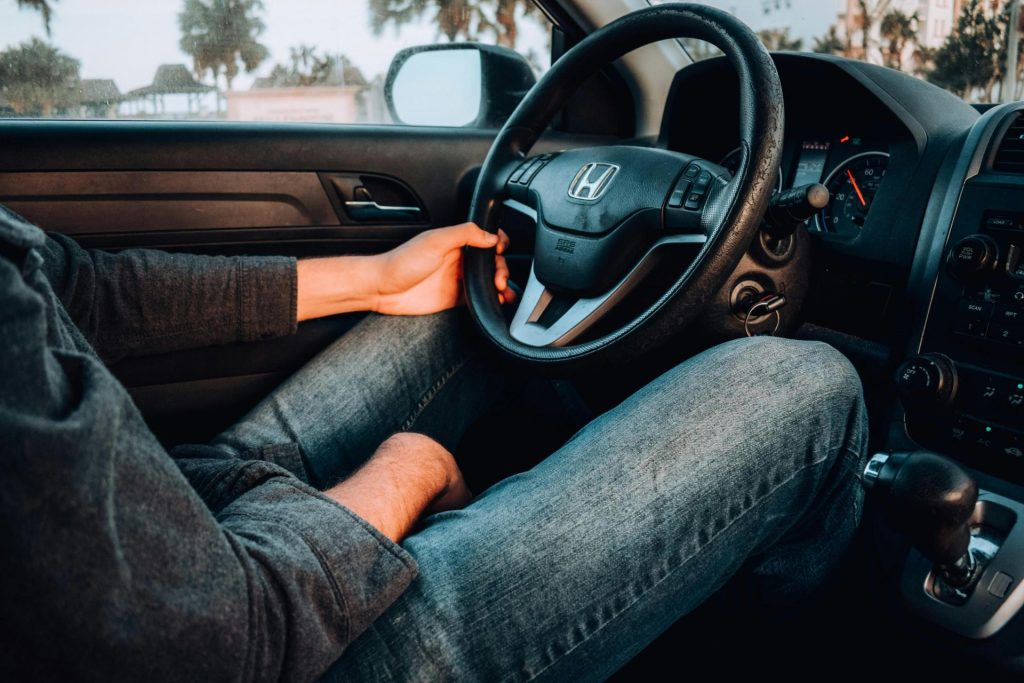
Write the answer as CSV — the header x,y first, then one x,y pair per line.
x,y
736,213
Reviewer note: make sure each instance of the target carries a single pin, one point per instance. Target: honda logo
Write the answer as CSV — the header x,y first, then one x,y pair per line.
x,y
592,181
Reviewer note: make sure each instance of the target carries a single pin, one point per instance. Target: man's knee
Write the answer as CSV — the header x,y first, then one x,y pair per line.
x,y
776,369
792,398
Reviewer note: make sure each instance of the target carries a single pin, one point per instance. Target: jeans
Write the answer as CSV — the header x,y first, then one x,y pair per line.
x,y
746,455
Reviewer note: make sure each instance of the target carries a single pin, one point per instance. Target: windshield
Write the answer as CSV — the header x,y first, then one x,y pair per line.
x,y
960,45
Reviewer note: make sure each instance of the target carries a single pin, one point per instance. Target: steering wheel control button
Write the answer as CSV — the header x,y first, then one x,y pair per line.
x,y
698,189
972,257
529,169
682,189
519,172
1000,584
701,184
532,171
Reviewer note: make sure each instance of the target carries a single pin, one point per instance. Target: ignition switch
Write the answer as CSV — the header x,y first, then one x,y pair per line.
x,y
753,304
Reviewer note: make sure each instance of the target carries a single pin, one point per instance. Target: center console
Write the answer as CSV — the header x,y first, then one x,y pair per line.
x,y
962,396
964,391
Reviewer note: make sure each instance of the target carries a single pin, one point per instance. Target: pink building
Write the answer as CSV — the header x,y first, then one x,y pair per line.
x,y
322,104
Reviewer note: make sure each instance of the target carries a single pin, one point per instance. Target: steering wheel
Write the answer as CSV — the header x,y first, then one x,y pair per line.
x,y
604,215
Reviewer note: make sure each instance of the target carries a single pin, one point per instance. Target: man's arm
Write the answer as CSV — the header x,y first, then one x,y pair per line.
x,y
409,476
142,301
109,552
421,276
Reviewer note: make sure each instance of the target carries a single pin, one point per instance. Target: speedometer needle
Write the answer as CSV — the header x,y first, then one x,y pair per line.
x,y
856,188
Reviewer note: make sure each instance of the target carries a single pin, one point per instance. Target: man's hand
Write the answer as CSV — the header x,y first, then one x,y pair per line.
x,y
408,477
422,276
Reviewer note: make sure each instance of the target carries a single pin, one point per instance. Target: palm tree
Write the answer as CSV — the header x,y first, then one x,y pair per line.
x,y
37,78
969,61
220,34
42,6
830,43
778,39
897,31
466,19
303,56
869,12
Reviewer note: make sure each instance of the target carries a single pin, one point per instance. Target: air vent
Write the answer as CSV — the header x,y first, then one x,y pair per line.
x,y
1010,155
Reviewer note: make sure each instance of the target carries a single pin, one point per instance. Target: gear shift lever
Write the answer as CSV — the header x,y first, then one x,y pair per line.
x,y
930,499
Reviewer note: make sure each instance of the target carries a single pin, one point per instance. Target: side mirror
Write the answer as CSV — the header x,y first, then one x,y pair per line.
x,y
456,84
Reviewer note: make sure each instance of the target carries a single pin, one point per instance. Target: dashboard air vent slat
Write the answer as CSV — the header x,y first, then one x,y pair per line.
x,y
1010,154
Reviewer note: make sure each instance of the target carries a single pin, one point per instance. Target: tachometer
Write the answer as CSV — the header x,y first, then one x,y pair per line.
x,y
853,185
731,163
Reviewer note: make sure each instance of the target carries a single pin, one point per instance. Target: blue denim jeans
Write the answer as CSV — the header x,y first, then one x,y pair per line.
x,y
746,455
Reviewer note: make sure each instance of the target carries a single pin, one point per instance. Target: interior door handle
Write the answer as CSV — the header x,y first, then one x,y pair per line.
x,y
363,210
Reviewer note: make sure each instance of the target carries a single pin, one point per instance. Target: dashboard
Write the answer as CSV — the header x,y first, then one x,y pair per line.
x,y
876,138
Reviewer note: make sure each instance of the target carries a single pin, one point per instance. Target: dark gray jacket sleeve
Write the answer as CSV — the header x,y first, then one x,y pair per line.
x,y
143,301
113,568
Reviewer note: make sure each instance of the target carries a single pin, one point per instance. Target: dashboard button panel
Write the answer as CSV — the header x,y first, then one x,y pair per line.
x,y
976,319
985,425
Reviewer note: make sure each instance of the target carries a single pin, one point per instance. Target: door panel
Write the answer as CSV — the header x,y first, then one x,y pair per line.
x,y
233,188
92,202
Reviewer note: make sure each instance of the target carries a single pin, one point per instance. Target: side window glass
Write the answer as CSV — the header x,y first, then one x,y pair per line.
x,y
271,60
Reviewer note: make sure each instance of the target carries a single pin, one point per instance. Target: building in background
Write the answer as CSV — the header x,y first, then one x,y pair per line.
x,y
174,93
314,88
316,103
98,98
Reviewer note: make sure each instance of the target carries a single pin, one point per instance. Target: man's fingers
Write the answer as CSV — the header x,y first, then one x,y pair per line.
x,y
506,294
468,234
501,273
502,241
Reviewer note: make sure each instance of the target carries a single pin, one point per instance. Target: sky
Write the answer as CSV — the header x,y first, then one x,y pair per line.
x,y
127,39
807,19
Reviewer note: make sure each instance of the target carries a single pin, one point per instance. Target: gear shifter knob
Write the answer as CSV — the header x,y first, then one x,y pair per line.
x,y
931,499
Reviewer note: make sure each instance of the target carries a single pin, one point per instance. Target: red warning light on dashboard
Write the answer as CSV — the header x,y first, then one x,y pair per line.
x,y
844,139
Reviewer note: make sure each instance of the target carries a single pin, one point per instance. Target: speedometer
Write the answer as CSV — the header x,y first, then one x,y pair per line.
x,y
853,185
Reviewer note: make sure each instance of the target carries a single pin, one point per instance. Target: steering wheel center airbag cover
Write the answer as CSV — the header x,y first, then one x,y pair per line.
x,y
634,179
597,211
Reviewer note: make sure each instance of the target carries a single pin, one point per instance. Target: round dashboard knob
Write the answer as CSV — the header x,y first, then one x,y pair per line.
x,y
927,380
972,257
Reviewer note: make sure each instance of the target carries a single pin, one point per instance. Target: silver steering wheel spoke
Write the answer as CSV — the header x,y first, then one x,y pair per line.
x,y
520,207
538,322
